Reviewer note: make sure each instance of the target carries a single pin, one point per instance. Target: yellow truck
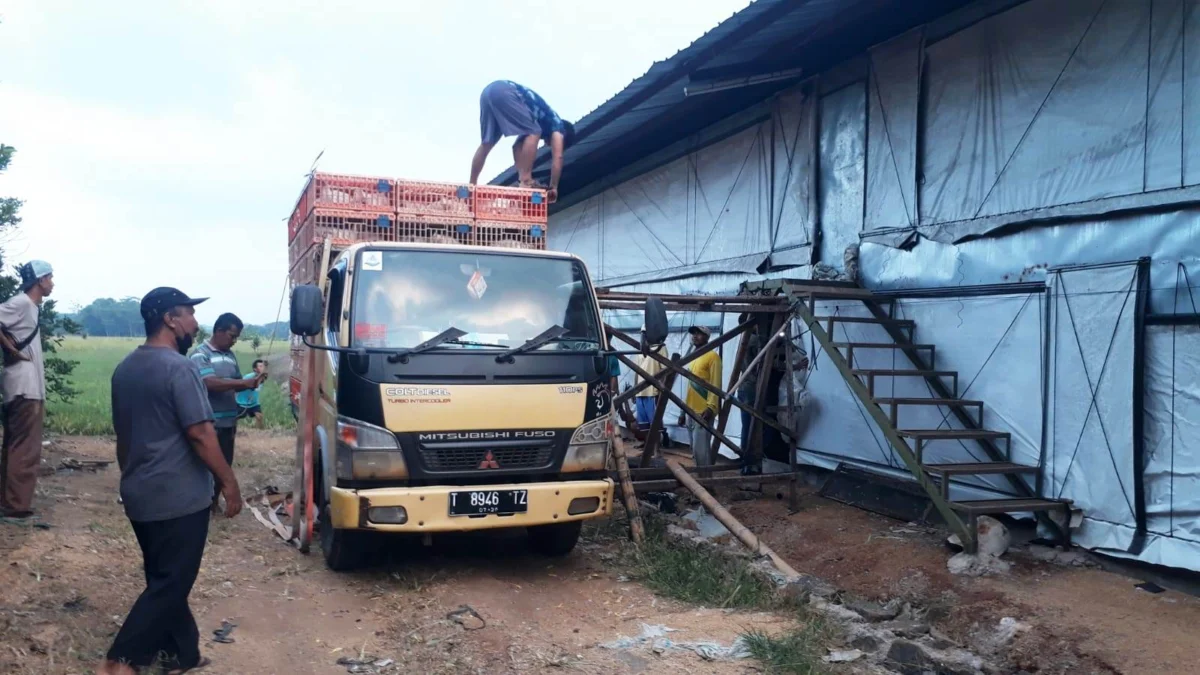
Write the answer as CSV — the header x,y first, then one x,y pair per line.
x,y
449,388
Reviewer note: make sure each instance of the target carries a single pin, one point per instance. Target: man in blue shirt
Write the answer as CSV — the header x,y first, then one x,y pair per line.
x,y
510,109
247,399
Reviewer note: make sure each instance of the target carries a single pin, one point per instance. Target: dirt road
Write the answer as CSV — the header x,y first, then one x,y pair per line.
x,y
67,588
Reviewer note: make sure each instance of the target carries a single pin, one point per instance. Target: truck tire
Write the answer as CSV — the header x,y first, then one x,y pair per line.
x,y
555,540
344,550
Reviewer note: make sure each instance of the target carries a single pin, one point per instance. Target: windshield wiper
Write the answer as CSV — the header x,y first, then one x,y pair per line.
x,y
546,337
448,335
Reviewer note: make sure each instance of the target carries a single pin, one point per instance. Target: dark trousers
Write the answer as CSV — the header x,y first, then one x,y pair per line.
x,y
225,438
161,624
21,456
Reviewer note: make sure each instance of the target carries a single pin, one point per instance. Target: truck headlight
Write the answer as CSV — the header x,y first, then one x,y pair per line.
x,y
368,452
589,447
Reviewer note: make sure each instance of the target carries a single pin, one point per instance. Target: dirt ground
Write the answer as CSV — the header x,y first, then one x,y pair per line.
x,y
67,589
1082,620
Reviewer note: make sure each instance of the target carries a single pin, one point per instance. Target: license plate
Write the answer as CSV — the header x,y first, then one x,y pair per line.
x,y
481,502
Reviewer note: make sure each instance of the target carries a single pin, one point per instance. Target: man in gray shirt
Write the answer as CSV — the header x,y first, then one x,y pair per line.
x,y
222,378
168,453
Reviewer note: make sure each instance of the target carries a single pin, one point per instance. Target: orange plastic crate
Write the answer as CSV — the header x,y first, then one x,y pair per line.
x,y
343,193
433,230
510,204
342,227
433,199
509,235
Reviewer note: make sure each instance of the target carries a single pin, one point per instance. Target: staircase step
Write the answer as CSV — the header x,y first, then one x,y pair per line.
x,y
950,402
880,345
907,323
904,373
979,468
951,434
979,507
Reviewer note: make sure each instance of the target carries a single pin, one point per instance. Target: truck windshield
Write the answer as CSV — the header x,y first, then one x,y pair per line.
x,y
404,297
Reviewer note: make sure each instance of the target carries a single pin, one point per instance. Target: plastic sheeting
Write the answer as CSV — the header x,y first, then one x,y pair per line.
x,y
1173,442
1166,238
842,170
894,90
995,344
1089,458
795,126
708,210
1058,102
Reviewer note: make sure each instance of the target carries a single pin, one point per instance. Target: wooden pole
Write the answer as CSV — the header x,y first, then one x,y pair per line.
x,y
636,530
744,535
789,352
766,369
654,433
727,405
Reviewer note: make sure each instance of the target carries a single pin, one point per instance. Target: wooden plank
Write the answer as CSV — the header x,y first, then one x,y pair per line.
x,y
979,468
636,531
668,484
744,535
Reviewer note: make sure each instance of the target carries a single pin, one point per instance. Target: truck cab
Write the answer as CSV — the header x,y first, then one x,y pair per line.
x,y
456,388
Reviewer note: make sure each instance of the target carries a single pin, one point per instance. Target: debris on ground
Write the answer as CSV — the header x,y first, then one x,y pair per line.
x,y
976,565
367,664
467,617
655,639
843,656
221,634
80,464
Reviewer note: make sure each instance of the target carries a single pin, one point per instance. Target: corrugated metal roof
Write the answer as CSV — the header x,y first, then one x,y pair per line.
x,y
768,35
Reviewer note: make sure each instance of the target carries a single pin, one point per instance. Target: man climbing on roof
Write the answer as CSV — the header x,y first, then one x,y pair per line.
x,y
509,109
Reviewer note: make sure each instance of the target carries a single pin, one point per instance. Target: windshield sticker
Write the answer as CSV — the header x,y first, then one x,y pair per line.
x,y
477,286
374,333
372,261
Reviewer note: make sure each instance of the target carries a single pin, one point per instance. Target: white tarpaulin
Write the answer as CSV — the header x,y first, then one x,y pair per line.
x,y
1090,451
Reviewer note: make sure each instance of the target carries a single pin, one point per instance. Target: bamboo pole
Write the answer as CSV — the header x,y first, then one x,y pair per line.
x,y
636,530
744,535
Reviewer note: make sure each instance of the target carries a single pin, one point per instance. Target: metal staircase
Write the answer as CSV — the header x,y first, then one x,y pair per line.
x,y
909,443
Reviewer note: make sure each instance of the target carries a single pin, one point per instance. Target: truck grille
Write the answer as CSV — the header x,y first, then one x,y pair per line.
x,y
469,459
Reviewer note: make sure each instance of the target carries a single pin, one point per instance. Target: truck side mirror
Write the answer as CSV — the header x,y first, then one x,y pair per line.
x,y
306,310
655,322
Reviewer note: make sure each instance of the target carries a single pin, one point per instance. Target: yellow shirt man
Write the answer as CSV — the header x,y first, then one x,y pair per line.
x,y
701,400
707,368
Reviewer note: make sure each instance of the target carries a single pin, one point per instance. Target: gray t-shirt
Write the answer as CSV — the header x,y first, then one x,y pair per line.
x,y
214,363
156,395
27,379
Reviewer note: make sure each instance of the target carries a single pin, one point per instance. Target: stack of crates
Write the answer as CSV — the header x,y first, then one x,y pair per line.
x,y
349,209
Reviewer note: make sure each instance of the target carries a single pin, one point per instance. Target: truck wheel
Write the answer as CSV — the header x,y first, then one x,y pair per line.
x,y
344,550
555,540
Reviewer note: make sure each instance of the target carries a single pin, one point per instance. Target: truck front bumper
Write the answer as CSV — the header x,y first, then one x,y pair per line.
x,y
428,508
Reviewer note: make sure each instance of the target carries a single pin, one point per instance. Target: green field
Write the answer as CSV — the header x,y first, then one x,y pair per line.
x,y
90,413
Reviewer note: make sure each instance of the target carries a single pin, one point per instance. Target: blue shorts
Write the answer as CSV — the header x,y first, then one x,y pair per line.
x,y
643,410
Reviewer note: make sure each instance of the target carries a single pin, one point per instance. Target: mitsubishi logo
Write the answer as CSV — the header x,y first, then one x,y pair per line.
x,y
489,462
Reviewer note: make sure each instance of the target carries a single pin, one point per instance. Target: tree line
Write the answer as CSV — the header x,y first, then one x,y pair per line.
x,y
109,317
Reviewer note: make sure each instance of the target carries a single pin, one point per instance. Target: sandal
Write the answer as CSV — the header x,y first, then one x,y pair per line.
x,y
204,662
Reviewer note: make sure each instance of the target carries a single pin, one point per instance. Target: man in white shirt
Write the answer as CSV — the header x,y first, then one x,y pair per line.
x,y
24,389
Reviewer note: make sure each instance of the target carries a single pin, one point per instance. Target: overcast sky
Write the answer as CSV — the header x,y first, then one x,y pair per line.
x,y
165,143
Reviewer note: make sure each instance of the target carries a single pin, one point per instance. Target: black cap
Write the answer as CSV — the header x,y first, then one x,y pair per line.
x,y
163,299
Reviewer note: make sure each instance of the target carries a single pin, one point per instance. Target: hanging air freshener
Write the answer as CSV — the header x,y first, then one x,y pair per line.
x,y
477,285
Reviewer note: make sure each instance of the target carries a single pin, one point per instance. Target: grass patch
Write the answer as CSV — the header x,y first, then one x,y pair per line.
x,y
795,652
697,574
90,413
703,575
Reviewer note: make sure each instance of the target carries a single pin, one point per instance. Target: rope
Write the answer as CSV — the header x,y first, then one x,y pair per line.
x,y
278,313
